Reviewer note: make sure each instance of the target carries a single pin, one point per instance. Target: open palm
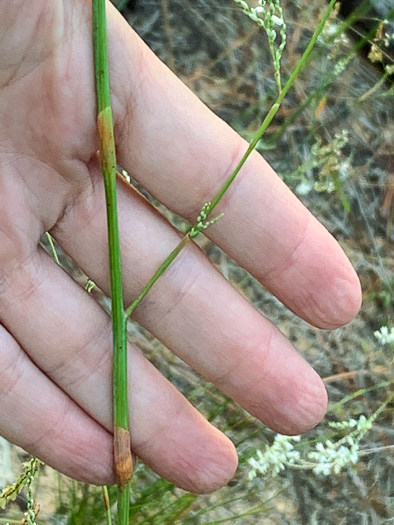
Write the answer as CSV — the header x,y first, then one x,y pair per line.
x,y
55,341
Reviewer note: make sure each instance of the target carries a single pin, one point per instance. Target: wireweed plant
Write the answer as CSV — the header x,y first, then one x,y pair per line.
x,y
385,336
325,169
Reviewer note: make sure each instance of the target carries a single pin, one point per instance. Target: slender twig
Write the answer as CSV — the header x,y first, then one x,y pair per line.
x,y
209,207
122,450
107,505
52,245
163,267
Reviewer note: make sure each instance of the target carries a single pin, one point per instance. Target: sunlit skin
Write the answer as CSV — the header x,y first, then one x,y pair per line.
x,y
55,341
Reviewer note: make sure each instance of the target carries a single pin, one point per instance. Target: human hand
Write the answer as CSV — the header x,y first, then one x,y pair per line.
x,y
55,341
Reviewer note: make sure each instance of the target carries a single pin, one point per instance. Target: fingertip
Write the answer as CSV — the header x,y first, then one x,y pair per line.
x,y
217,467
342,300
350,299
207,465
323,284
303,404
310,408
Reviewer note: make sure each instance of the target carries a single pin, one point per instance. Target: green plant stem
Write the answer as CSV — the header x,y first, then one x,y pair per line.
x,y
122,449
260,132
163,267
358,393
107,505
51,244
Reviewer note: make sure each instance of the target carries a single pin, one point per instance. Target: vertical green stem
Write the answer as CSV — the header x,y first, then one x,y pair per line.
x,y
122,450
123,461
107,505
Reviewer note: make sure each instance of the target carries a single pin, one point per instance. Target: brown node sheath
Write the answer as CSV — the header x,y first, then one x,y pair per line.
x,y
122,456
107,141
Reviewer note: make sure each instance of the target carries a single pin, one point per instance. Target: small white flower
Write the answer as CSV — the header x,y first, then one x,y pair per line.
x,y
276,20
304,188
384,336
331,29
275,457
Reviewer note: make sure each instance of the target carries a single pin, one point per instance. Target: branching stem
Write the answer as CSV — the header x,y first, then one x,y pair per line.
x,y
209,207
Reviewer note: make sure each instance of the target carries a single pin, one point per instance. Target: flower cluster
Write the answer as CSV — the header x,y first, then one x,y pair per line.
x,y
10,493
326,458
325,168
382,39
331,459
384,335
269,15
202,223
274,458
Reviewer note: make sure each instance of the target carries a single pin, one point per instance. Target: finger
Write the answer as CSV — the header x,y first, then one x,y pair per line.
x,y
195,312
71,342
36,415
182,153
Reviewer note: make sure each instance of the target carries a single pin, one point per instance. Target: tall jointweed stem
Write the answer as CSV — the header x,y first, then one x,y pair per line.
x,y
122,448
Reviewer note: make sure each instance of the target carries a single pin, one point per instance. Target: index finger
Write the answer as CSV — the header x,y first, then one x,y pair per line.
x,y
182,153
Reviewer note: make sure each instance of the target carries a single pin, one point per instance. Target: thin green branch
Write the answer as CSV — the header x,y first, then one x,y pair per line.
x,y
52,245
107,505
122,449
209,207
163,267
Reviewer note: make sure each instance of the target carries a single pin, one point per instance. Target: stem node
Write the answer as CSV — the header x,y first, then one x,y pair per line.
x,y
122,455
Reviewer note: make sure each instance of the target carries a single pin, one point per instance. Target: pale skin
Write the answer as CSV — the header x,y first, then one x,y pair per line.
x,y
55,341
